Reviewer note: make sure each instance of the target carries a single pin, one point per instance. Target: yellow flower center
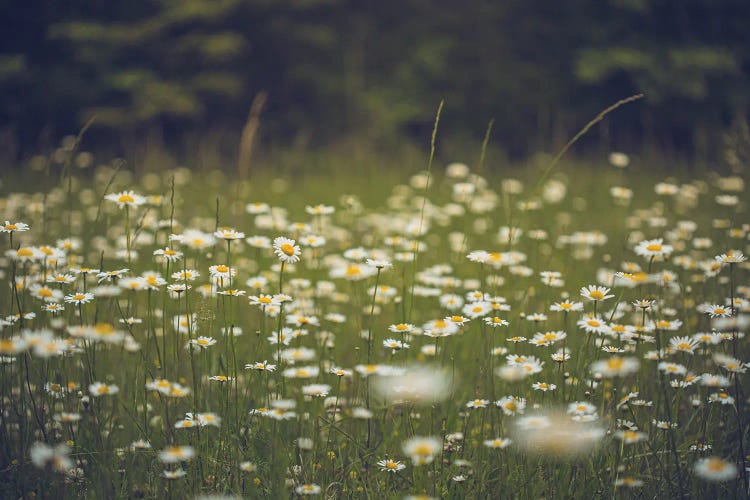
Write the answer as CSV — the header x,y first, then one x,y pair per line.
x,y
593,322
126,198
615,363
596,295
715,465
351,270
654,247
79,296
287,249
104,389
222,269
104,329
10,227
25,252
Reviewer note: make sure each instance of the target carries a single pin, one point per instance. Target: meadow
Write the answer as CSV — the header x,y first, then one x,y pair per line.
x,y
374,331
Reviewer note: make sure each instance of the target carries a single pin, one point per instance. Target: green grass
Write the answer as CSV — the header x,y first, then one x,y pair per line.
x,y
375,208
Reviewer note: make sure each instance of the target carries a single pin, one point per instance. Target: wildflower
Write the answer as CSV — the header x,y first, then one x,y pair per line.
x,y
10,227
395,345
566,306
497,443
401,328
595,293
615,366
543,386
478,403
672,368
593,324
556,435
389,465
175,454
79,298
495,321
126,199
286,250
174,474
229,234
715,469
628,482
731,257
683,344
168,254
308,489
57,457
316,390
422,450
301,372
721,397
653,248
511,405
379,263
203,342
100,389
631,437
718,311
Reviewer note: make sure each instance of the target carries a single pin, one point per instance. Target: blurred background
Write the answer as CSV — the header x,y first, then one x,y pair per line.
x,y
191,75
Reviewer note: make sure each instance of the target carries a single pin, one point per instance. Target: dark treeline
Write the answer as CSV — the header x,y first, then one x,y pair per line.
x,y
376,69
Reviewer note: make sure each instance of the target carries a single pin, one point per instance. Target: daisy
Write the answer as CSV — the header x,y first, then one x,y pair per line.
x,y
316,390
653,248
511,405
126,199
228,234
389,465
173,474
286,250
261,366
497,443
478,403
422,450
248,467
203,342
79,298
63,279
168,254
731,257
175,454
379,263
257,208
721,397
308,489
683,344
543,386
714,311
672,368
631,437
43,455
395,345
495,321
593,324
566,306
615,366
10,227
100,389
715,469
595,293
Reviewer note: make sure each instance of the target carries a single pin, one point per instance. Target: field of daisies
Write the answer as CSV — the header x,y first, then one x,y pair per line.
x,y
457,333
